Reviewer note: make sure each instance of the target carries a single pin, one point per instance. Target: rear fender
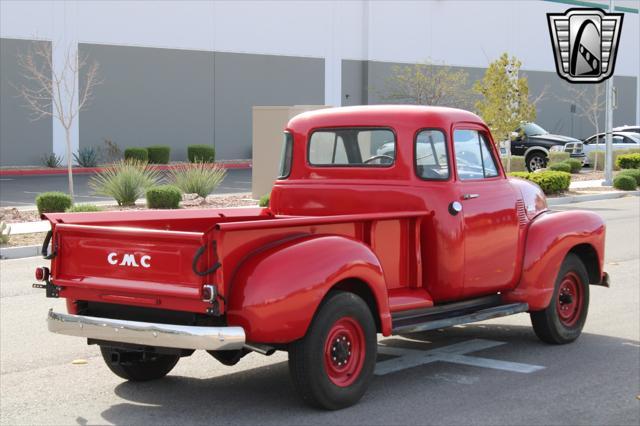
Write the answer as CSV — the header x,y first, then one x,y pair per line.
x,y
275,293
550,237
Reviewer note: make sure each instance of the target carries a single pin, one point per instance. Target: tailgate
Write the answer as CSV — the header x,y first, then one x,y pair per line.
x,y
122,264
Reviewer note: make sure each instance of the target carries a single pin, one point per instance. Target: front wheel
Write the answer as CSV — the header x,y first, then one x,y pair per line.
x,y
536,161
331,367
562,321
138,366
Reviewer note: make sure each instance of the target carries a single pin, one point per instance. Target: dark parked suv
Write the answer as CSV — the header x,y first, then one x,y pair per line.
x,y
534,143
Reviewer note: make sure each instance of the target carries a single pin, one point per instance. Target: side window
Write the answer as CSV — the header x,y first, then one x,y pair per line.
x,y
489,163
352,147
473,155
431,159
286,156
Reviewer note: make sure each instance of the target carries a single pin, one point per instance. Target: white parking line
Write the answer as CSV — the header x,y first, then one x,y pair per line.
x,y
408,358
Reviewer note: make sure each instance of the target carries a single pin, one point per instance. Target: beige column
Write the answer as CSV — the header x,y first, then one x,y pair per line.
x,y
268,126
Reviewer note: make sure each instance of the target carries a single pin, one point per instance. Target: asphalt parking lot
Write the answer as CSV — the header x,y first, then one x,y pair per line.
x,y
16,191
489,373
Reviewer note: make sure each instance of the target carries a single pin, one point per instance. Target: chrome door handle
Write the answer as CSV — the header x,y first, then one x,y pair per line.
x,y
470,196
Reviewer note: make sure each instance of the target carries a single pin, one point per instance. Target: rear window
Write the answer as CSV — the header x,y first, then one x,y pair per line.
x,y
355,147
286,156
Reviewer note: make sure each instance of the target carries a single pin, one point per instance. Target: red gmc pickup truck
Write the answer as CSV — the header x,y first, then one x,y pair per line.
x,y
430,234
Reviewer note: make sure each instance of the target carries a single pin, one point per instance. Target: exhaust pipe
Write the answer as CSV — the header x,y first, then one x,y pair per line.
x,y
261,349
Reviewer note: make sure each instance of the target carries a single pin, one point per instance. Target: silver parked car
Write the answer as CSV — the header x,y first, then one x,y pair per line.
x,y
621,141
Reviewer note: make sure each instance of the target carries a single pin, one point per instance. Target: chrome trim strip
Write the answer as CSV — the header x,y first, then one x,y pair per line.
x,y
147,333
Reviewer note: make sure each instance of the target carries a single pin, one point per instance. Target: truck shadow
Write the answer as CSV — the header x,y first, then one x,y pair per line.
x,y
265,394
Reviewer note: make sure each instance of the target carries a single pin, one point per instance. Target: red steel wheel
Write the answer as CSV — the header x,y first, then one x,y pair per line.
x,y
570,299
344,352
563,319
332,365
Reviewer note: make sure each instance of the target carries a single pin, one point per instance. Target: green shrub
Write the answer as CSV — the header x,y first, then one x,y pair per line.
x,y
264,200
83,208
521,175
628,161
164,197
201,153
551,181
125,181
560,167
87,156
634,173
576,165
159,154
53,202
616,153
51,160
5,233
625,182
517,163
197,178
139,154
558,157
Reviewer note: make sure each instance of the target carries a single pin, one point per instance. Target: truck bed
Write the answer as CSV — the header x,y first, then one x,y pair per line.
x,y
159,258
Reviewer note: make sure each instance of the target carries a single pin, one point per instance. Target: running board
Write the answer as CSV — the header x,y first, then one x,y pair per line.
x,y
424,324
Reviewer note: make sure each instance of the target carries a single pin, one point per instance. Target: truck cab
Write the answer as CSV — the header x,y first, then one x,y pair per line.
x,y
385,219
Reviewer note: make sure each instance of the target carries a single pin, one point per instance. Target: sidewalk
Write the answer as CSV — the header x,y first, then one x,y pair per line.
x,y
586,184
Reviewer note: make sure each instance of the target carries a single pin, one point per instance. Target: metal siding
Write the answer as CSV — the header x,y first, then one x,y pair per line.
x,y
22,141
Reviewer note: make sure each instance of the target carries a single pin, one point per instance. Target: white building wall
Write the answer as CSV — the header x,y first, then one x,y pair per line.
x,y
455,32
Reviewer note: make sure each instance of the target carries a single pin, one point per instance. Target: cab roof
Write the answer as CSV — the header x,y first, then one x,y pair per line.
x,y
382,115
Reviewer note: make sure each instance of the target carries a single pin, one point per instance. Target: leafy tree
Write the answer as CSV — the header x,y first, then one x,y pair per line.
x,y
429,84
504,102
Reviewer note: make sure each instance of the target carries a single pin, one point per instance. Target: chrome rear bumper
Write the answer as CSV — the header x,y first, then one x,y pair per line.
x,y
147,333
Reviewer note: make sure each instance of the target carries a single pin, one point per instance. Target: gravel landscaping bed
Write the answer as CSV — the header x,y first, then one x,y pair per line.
x,y
13,215
190,201
20,240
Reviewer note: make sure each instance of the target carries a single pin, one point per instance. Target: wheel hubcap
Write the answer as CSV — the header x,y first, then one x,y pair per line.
x,y
344,352
536,163
569,300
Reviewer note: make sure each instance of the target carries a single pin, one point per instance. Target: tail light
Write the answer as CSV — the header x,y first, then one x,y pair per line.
x,y
42,273
209,293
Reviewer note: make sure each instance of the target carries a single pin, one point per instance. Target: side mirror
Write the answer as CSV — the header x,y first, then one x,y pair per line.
x,y
514,136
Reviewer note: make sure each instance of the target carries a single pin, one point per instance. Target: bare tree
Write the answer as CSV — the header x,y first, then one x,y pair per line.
x,y
590,103
51,91
429,84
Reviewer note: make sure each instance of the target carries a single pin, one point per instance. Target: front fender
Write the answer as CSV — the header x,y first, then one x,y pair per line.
x,y
275,293
550,237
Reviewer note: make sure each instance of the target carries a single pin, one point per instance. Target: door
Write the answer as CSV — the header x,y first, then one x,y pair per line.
x,y
489,213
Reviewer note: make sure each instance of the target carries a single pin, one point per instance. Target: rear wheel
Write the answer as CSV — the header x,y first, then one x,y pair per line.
x,y
331,367
562,321
138,366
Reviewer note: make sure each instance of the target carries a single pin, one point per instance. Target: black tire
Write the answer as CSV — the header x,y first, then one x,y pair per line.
x,y
536,160
309,365
228,358
138,367
562,321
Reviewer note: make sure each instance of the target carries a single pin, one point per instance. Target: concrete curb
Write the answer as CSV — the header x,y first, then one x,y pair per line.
x,y
591,197
87,170
20,252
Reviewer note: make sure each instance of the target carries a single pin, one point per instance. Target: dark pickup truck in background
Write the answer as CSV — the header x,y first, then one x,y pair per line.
x,y
534,143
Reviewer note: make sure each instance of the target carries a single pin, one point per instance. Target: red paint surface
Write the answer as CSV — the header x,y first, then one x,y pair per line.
x,y
380,231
